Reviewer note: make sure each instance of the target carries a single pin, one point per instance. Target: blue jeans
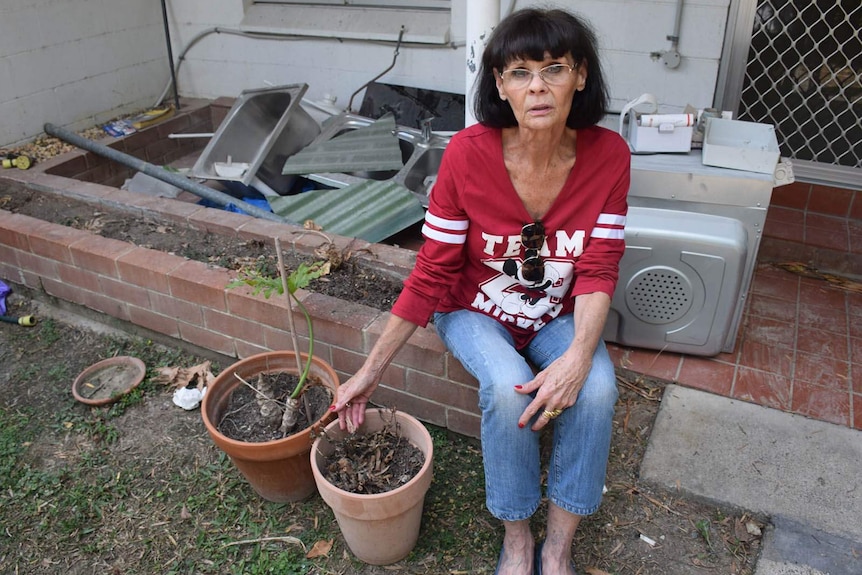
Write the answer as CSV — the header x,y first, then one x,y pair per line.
x,y
582,434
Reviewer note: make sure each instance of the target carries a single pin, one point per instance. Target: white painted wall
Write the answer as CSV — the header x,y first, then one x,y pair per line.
x,y
80,62
77,62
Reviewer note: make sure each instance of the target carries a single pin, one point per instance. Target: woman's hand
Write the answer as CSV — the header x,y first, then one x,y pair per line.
x,y
351,399
557,388
352,396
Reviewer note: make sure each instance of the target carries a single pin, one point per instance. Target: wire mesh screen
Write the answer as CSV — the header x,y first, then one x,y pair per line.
x,y
804,75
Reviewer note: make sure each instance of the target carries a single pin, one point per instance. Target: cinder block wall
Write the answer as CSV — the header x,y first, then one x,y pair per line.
x,y
151,145
189,301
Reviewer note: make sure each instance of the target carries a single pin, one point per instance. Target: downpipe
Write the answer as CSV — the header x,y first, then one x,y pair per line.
x,y
178,180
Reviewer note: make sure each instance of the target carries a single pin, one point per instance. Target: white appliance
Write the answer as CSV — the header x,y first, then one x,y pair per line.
x,y
692,238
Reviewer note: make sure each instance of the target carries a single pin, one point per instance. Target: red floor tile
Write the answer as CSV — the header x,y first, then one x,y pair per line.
x,y
769,332
785,215
784,230
856,360
793,195
777,360
707,374
819,292
823,371
829,200
654,363
824,222
857,411
854,228
762,388
825,343
772,308
833,239
821,403
823,317
777,283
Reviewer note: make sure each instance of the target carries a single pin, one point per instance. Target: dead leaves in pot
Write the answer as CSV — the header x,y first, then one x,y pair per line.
x,y
372,463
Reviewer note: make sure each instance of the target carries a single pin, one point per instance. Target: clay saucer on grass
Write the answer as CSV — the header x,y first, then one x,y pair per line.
x,y
107,381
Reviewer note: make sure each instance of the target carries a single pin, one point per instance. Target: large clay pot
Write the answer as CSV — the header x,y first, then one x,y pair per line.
x,y
278,470
382,528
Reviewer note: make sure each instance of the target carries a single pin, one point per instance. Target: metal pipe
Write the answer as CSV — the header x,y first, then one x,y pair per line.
x,y
178,180
381,74
170,54
482,17
677,24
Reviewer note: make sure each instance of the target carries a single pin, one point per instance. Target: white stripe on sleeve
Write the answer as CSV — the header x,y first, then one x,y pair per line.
x,y
608,233
443,237
611,220
444,224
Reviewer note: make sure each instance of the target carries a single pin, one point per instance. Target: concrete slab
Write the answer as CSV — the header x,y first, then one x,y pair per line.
x,y
791,548
800,473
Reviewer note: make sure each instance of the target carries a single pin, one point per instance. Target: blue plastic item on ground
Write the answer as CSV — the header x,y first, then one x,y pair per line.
x,y
258,203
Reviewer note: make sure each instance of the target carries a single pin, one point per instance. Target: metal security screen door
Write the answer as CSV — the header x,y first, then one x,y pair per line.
x,y
804,75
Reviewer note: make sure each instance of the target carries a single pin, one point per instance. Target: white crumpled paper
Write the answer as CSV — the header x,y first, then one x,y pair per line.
x,y
190,383
189,397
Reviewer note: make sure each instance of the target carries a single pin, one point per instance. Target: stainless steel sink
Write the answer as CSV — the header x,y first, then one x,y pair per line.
x,y
421,157
263,128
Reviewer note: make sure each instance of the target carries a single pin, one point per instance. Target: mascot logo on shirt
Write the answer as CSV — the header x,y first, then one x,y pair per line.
x,y
527,302
511,298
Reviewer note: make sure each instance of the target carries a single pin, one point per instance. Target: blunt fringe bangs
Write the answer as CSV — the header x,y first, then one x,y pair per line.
x,y
527,34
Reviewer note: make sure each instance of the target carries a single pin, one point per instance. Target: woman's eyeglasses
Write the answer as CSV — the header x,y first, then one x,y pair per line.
x,y
532,240
553,75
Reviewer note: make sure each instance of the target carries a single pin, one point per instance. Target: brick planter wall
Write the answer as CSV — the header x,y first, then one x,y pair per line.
x,y
189,301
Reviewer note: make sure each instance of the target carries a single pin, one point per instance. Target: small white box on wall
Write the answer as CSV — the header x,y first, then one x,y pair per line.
x,y
749,146
660,132
653,132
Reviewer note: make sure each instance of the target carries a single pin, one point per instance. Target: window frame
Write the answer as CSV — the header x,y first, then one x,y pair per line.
x,y
334,19
403,4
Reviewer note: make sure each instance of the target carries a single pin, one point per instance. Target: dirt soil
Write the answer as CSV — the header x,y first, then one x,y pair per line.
x,y
250,418
639,529
347,279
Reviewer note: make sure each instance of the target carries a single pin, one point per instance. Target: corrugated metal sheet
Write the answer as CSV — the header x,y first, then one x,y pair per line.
x,y
370,148
371,210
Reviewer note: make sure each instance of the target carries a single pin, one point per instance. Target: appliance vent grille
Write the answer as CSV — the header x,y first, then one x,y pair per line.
x,y
659,295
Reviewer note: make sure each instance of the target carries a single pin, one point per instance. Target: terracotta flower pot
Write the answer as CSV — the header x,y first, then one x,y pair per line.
x,y
380,528
278,470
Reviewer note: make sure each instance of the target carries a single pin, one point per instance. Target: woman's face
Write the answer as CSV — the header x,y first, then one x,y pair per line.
x,y
541,101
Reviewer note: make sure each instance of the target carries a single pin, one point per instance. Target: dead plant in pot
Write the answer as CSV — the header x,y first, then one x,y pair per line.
x,y
276,463
374,478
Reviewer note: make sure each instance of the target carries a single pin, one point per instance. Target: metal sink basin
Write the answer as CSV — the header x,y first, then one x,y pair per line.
x,y
421,157
263,128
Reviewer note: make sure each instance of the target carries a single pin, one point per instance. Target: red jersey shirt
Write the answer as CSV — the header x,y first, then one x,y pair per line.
x,y
472,255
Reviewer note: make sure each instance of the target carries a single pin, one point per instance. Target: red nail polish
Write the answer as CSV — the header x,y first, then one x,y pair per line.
x,y
520,425
332,407
519,387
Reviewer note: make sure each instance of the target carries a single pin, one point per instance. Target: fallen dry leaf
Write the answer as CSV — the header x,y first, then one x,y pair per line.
x,y
320,549
594,571
198,376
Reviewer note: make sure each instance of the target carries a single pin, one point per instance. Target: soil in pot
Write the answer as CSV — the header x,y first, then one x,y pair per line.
x,y
251,418
372,463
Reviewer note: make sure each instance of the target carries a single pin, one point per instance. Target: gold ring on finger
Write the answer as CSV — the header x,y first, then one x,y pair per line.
x,y
552,414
